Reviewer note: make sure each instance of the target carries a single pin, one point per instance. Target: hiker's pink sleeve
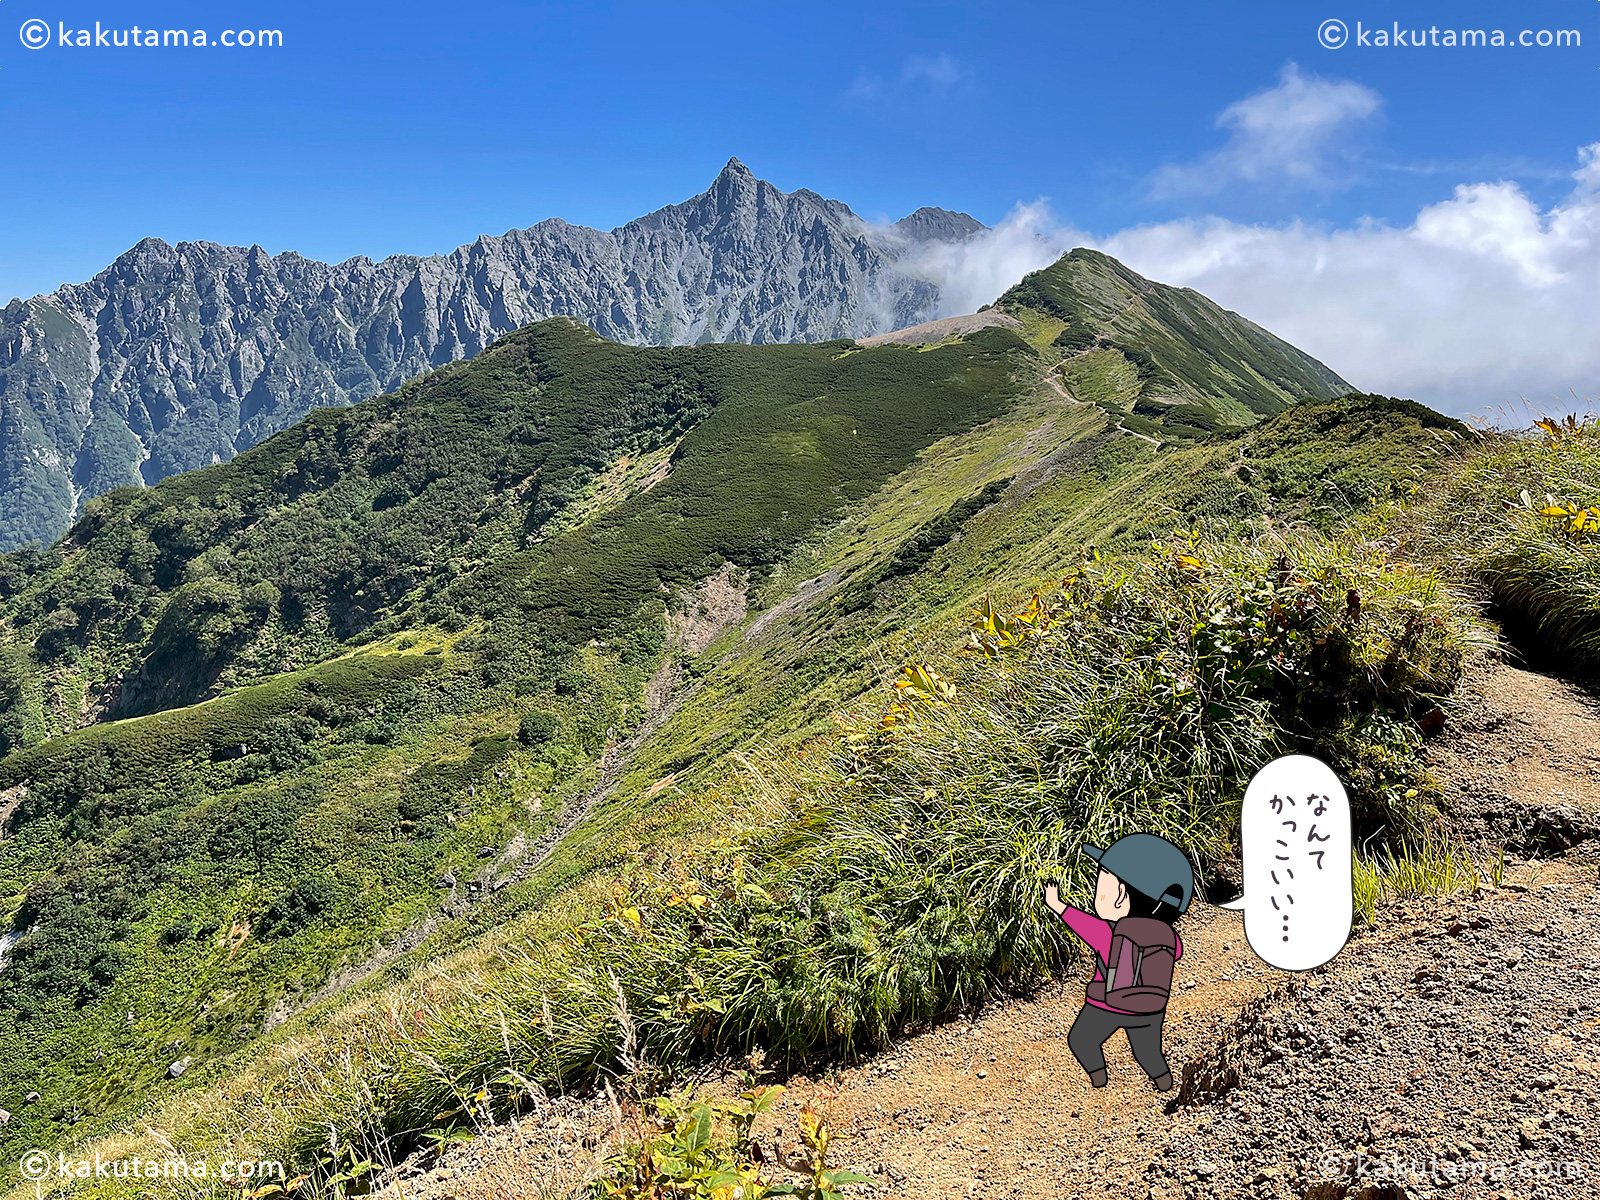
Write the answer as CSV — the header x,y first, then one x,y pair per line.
x,y
1096,934
1179,940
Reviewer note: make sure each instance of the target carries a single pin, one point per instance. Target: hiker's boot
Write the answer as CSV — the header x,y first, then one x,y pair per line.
x,y
1097,1078
1164,1083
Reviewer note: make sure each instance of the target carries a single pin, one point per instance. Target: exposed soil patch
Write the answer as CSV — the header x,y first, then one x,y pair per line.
x,y
10,800
937,331
1522,765
715,605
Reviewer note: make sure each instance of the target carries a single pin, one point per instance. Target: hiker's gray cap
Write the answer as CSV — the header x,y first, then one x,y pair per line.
x,y
1149,863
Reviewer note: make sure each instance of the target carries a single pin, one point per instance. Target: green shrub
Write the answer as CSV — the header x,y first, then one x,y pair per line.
x,y
538,728
70,955
199,627
686,1159
143,751
17,682
287,742
916,551
296,908
1076,336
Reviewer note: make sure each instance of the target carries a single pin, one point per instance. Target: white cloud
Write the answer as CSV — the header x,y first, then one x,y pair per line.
x,y
1482,299
972,273
1303,132
1588,174
866,88
939,72
920,77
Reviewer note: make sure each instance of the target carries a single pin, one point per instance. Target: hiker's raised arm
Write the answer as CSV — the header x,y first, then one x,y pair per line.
x,y
1052,898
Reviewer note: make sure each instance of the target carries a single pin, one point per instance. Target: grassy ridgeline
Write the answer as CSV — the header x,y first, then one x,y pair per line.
x,y
1522,524
890,874
1165,361
885,875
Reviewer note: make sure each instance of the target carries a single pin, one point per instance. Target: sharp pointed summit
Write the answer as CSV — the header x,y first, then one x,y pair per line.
x,y
736,184
939,224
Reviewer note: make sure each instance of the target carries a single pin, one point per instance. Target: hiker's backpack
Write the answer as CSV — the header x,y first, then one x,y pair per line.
x,y
1138,977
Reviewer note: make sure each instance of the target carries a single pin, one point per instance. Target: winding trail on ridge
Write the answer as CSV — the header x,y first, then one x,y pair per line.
x,y
1060,390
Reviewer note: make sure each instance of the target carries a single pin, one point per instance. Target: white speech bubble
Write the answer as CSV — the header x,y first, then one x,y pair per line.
x,y
1298,896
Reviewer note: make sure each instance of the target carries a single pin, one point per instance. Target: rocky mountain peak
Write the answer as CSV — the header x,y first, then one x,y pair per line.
x,y
175,357
939,224
736,188
141,255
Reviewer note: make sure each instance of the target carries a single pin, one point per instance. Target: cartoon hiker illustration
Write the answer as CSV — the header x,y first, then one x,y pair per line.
x,y
1145,884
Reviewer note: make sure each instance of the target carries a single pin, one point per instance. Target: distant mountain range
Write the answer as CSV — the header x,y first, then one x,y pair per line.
x,y
177,357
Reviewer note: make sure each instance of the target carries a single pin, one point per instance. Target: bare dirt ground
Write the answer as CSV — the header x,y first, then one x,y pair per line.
x,y
717,604
1451,1050
10,801
1522,764
947,327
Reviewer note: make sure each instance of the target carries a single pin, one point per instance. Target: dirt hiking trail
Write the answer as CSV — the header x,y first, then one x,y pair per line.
x,y
1451,1050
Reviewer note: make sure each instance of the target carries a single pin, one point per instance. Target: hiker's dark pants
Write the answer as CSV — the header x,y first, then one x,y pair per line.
x,y
1094,1025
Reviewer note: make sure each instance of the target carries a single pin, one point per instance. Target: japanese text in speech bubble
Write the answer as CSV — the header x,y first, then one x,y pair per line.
x,y
1298,897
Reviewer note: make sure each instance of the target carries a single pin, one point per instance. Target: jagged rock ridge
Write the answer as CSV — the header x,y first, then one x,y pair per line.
x,y
176,357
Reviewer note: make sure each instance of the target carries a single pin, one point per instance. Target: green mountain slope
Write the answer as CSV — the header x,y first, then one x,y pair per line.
x,y
1007,506
1167,361
768,683
370,514
414,627
268,725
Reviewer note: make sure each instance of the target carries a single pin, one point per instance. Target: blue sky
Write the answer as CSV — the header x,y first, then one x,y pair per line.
x,y
408,128
412,128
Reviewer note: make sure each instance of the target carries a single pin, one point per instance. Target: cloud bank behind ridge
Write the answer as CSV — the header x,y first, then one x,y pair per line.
x,y
1482,300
